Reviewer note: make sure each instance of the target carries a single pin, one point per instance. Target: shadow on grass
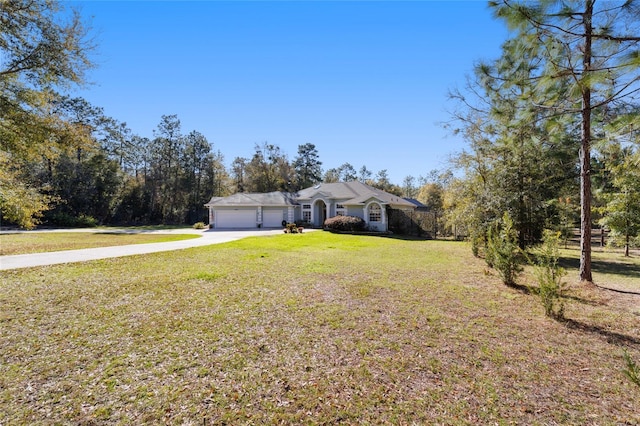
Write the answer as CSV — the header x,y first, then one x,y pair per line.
x,y
415,238
611,336
605,267
583,300
524,289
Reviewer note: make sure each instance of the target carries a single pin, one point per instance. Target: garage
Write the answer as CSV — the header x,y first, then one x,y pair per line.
x,y
235,218
272,218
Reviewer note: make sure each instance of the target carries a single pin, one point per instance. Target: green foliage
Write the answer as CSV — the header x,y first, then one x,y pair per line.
x,y
307,165
345,223
88,182
268,170
69,221
572,57
20,203
549,275
503,253
199,225
42,45
562,216
476,244
632,370
622,208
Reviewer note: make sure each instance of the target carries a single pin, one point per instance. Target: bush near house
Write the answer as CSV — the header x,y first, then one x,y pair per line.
x,y
345,223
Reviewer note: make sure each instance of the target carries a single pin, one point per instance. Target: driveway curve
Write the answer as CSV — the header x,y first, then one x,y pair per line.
x,y
208,237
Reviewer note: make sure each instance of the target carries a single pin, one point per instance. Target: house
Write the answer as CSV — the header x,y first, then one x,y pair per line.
x,y
311,205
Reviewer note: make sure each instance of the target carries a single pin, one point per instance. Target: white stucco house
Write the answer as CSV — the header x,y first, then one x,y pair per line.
x,y
312,205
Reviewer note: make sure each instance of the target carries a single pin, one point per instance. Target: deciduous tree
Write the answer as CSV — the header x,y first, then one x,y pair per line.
x,y
43,49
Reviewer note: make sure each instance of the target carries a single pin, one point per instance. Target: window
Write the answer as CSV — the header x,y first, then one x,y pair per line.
x,y
306,213
375,213
340,210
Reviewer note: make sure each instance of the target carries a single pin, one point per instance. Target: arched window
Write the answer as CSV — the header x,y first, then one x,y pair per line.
x,y
375,213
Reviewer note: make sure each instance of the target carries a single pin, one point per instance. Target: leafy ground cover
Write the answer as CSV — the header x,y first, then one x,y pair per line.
x,y
312,328
39,242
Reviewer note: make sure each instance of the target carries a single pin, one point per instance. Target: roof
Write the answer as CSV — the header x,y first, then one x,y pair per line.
x,y
354,192
348,193
254,199
417,203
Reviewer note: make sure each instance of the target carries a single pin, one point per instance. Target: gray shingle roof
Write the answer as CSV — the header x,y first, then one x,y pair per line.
x,y
353,192
349,193
254,199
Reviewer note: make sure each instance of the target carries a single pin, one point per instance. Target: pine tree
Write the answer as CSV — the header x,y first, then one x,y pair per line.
x,y
587,57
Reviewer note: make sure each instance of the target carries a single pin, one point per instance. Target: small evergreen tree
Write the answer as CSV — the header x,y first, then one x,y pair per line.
x,y
632,370
503,253
549,275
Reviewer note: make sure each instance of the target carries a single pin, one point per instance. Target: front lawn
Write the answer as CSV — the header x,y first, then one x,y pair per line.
x,y
314,328
39,242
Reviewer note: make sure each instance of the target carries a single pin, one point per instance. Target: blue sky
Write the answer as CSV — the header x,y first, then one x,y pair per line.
x,y
366,82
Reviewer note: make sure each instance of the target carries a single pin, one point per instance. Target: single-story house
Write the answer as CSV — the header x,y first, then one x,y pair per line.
x,y
311,205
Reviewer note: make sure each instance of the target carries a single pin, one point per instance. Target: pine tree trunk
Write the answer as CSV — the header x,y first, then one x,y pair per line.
x,y
626,246
585,155
585,199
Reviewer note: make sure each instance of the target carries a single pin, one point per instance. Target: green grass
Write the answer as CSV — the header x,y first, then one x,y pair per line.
x,y
610,267
306,329
38,242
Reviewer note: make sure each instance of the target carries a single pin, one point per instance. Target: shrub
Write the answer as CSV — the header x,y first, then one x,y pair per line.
x,y
291,228
503,253
303,223
199,225
69,221
345,223
549,275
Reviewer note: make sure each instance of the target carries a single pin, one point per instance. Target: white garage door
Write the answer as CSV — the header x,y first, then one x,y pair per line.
x,y
235,219
272,218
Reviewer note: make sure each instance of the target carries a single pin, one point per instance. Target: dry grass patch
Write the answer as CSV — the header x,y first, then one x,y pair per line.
x,y
314,328
40,242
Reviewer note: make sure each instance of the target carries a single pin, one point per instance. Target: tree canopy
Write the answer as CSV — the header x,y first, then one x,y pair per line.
x,y
569,74
44,49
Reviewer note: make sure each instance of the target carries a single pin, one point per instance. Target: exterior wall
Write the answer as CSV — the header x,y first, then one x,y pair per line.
x,y
356,211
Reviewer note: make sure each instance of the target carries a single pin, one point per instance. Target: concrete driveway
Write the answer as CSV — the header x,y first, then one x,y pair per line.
x,y
208,237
